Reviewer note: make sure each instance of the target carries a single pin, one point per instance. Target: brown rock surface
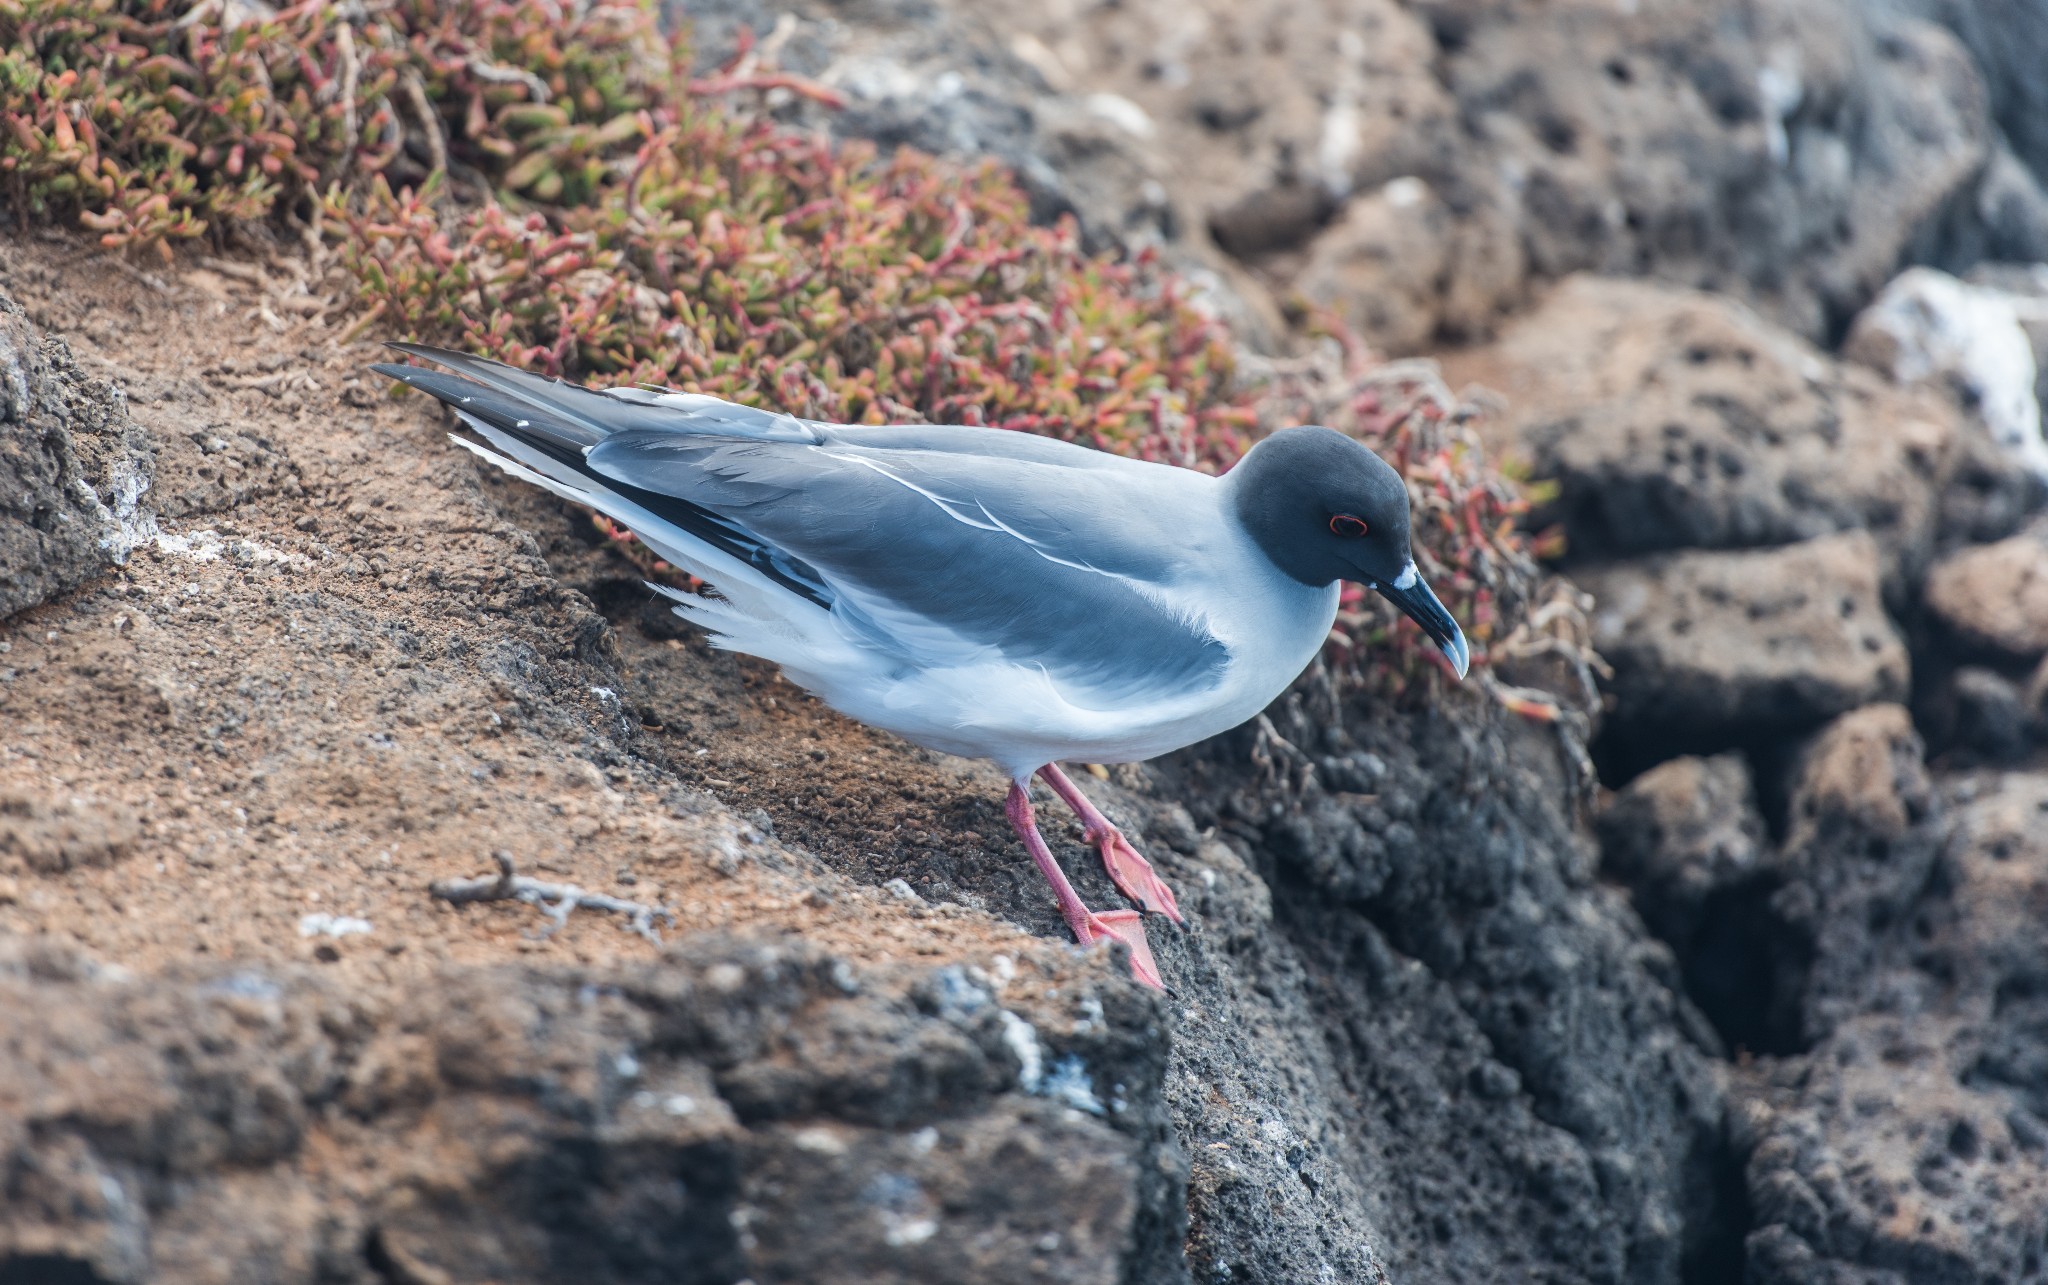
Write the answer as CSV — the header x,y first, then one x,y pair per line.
x,y
1995,596
1863,834
1893,1114
1380,265
1677,420
674,1119
1908,1143
1712,650
1682,835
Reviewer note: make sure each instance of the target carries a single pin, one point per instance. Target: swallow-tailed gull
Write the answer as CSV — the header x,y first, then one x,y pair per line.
x,y
978,591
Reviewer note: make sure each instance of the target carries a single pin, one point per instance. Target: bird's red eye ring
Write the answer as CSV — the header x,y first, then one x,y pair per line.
x,y
1346,525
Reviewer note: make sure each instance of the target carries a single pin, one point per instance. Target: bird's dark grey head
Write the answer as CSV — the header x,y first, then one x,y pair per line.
x,y
1324,509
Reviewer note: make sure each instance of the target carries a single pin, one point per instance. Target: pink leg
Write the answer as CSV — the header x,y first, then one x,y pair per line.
x,y
1132,873
1127,926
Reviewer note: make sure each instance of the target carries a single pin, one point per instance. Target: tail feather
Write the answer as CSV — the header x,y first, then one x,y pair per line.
x,y
585,408
534,429
755,595
602,412
565,437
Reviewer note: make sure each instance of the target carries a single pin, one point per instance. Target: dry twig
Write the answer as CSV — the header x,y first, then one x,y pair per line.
x,y
555,900
1270,750
484,69
351,74
422,107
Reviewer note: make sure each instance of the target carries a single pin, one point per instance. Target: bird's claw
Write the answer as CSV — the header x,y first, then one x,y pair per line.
x,y
1133,875
1128,927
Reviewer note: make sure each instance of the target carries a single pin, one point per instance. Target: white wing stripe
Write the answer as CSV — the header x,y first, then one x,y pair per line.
x,y
948,507
945,505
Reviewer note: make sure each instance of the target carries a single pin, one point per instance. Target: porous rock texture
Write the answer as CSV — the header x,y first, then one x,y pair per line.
x,y
1714,649
1673,419
1880,962
1683,836
727,1106
72,468
1907,1143
1995,596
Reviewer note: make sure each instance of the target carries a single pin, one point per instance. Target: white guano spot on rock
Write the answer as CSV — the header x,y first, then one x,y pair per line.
x,y
900,1231
1071,1085
1928,327
1122,113
819,1141
206,545
1023,1042
325,925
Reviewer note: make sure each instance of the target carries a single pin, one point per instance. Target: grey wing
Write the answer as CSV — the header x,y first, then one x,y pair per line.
x,y
933,554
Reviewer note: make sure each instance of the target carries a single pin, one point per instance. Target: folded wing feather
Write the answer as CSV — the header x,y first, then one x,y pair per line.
x,y
940,545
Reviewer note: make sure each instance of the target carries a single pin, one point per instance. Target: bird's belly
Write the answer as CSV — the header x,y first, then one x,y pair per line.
x,y
1018,716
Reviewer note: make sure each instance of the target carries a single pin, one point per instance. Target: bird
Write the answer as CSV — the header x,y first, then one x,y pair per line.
x,y
979,591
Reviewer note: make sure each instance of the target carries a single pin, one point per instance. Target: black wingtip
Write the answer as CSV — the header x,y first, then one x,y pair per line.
x,y
428,352
533,421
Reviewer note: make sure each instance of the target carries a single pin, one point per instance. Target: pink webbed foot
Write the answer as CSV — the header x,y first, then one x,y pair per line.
x,y
1132,874
1089,927
1128,927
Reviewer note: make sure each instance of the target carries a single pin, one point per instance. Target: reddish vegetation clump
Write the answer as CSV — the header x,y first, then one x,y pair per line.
x,y
562,194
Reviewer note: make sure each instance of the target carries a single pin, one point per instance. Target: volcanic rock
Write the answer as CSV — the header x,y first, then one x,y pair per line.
x,y
73,468
1682,835
1995,596
1676,420
1909,1143
1713,650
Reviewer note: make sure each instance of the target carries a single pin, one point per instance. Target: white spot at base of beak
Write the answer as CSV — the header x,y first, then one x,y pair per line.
x,y
1409,575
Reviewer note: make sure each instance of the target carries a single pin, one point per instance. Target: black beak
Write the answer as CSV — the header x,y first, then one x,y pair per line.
x,y
1412,594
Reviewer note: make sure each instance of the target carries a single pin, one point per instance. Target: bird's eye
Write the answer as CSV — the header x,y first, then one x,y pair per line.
x,y
1346,525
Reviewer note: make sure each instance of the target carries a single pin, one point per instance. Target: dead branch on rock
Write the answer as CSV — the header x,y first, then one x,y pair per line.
x,y
555,900
1272,751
